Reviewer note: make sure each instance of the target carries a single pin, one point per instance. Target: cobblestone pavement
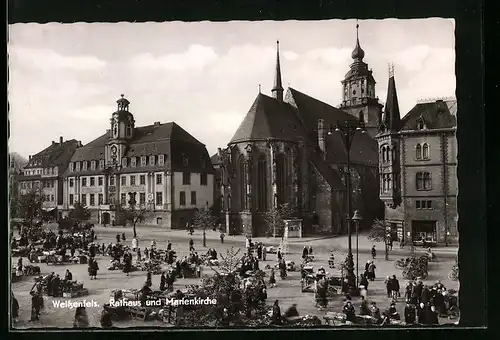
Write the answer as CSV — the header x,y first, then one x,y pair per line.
x,y
288,291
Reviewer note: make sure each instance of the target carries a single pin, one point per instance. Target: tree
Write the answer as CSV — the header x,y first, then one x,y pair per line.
x,y
79,213
204,218
275,219
29,205
379,233
133,213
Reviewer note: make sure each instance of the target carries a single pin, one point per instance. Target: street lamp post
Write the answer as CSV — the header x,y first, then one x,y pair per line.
x,y
348,130
357,218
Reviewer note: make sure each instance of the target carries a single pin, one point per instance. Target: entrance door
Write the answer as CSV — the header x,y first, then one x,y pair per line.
x,y
159,220
105,218
424,230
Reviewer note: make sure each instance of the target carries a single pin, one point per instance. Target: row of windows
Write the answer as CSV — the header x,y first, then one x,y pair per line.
x,y
423,181
45,184
46,171
83,200
132,179
422,152
123,198
48,198
132,162
423,204
389,181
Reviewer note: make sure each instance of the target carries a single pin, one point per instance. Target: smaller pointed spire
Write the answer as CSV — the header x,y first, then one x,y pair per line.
x,y
278,85
392,117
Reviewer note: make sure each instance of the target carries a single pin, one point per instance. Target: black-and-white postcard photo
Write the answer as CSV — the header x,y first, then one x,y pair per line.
x,y
252,174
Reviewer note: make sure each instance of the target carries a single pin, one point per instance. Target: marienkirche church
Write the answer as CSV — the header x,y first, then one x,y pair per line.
x,y
286,150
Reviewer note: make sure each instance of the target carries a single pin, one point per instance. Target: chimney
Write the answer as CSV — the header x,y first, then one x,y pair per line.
x,y
29,158
60,140
53,142
157,124
80,144
321,136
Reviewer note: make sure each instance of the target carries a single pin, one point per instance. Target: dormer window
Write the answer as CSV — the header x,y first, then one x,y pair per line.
x,y
85,165
124,162
161,160
143,161
133,162
420,124
55,171
92,165
45,171
101,164
152,160
77,166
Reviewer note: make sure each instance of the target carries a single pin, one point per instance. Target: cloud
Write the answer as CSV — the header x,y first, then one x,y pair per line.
x,y
197,57
48,59
332,56
289,55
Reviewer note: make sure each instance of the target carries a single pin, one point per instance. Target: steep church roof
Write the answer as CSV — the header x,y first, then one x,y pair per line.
x,y
268,118
435,115
310,110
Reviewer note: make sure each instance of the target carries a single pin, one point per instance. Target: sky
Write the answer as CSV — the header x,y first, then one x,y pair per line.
x,y
64,79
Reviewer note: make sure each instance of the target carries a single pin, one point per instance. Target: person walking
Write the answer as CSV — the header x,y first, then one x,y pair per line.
x,y
272,279
94,267
264,253
191,245
371,271
222,237
374,252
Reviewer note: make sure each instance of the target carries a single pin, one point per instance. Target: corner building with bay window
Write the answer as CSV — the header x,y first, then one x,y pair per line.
x,y
417,166
160,167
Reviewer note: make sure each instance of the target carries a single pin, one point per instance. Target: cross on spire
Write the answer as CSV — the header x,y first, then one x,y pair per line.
x,y
259,88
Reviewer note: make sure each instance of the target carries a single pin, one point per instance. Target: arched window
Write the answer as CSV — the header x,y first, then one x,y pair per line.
x,y
425,151
418,151
281,178
262,183
129,130
420,124
382,150
387,154
242,182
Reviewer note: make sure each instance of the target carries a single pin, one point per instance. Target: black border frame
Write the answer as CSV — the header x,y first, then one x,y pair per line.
x,y
471,131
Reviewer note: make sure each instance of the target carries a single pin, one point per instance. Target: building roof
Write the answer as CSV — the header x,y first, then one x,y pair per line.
x,y
435,115
167,139
57,154
310,110
269,118
215,159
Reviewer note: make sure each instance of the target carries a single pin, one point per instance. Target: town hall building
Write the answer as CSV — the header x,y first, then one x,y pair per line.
x,y
160,167
286,151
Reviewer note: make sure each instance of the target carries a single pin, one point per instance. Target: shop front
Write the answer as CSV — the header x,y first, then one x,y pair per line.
x,y
424,233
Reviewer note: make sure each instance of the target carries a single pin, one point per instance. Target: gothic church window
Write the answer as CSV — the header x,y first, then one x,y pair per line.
x,y
262,183
242,182
281,178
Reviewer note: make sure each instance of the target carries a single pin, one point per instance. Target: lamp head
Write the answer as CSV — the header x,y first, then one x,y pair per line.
x,y
357,216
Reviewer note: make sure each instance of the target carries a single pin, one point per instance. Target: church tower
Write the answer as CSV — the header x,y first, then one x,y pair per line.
x,y
358,96
277,90
122,130
390,147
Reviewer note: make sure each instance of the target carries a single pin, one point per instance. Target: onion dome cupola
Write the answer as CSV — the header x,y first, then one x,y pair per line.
x,y
122,121
357,54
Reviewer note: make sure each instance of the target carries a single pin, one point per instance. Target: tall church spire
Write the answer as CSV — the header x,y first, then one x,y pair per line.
x,y
357,54
392,118
278,87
